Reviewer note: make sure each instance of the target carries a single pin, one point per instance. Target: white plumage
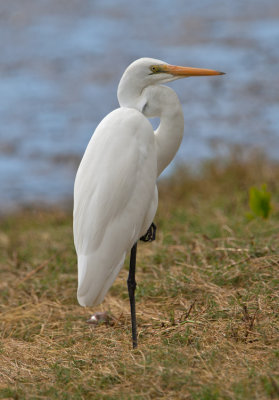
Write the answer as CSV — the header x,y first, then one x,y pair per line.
x,y
115,221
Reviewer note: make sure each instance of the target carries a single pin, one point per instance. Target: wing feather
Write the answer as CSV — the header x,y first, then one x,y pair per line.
x,y
113,199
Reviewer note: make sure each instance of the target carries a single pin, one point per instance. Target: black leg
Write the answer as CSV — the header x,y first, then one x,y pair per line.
x,y
131,283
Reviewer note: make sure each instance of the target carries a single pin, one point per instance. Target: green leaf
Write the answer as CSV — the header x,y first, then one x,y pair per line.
x,y
260,201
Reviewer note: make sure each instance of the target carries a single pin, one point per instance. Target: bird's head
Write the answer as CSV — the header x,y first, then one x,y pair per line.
x,y
150,71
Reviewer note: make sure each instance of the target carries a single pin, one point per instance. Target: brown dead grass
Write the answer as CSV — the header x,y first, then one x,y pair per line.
x,y
207,301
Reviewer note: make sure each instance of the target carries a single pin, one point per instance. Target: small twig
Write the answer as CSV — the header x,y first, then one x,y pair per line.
x,y
250,320
34,271
245,313
186,315
251,324
232,249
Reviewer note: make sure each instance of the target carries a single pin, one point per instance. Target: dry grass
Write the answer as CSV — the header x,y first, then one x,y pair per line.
x,y
207,301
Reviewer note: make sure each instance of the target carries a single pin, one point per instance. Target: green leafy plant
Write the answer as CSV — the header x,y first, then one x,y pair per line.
x,y
259,202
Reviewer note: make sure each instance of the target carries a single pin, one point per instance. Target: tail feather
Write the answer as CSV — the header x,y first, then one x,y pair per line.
x,y
94,281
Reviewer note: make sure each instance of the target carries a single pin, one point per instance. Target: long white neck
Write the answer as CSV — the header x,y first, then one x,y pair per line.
x,y
170,131
162,102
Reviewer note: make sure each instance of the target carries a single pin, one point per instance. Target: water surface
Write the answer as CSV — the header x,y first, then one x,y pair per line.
x,y
61,63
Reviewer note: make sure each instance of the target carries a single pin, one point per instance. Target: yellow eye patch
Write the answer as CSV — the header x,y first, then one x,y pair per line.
x,y
155,69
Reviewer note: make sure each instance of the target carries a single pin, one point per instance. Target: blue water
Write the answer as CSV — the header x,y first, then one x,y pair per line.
x,y
61,62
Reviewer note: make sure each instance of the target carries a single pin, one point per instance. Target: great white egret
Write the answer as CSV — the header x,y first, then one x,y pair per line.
x,y
115,193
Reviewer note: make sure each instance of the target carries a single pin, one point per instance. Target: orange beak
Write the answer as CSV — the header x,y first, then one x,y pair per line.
x,y
188,71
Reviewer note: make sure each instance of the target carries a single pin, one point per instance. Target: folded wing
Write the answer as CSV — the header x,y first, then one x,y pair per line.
x,y
115,199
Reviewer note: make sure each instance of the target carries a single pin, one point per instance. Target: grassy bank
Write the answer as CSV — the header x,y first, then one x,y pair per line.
x,y
207,301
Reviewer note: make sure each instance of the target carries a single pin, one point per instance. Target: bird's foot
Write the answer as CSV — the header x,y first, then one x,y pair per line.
x,y
150,234
99,318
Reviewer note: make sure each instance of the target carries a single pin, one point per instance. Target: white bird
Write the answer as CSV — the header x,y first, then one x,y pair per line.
x,y
115,193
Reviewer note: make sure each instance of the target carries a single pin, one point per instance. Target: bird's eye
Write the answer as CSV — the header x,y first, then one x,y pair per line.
x,y
154,69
